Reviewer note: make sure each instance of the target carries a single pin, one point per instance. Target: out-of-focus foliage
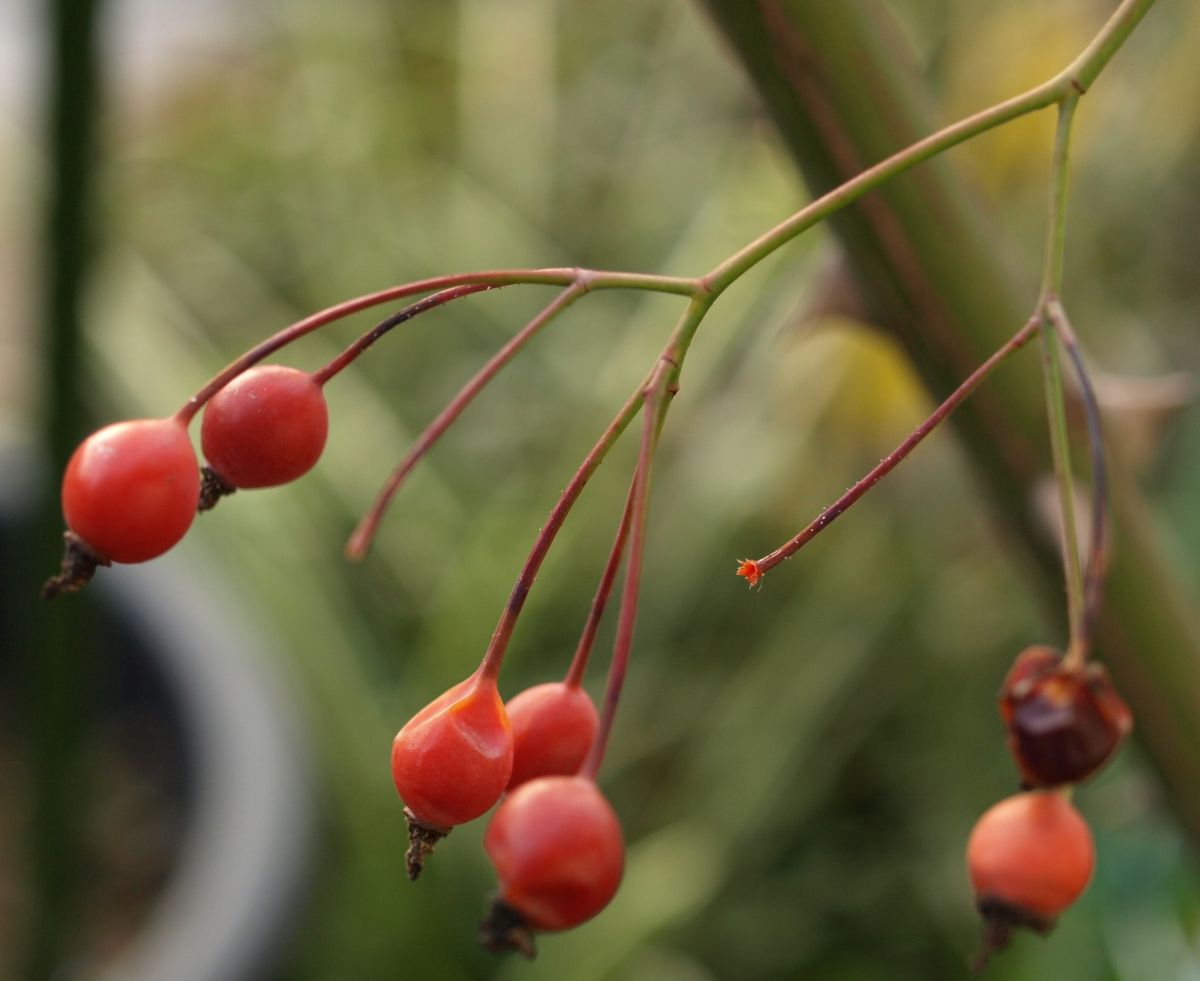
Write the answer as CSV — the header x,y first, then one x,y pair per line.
x,y
798,767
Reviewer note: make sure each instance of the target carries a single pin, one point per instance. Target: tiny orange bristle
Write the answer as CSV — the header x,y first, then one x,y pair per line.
x,y
748,569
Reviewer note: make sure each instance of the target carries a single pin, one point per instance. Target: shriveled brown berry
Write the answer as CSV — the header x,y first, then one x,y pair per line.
x,y
1063,722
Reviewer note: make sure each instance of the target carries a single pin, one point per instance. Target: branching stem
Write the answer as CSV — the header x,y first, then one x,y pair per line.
x,y
360,539
592,279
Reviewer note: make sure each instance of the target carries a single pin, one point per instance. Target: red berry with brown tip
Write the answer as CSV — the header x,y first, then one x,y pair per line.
x,y
1029,857
451,762
558,851
130,489
1063,721
266,427
554,726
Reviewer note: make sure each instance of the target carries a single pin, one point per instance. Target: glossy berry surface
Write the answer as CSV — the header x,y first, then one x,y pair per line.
x,y
266,427
130,489
1031,853
558,851
553,727
1062,723
452,760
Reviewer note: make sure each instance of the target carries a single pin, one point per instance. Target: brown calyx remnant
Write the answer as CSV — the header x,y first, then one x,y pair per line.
x,y
213,487
1000,919
79,564
504,929
422,840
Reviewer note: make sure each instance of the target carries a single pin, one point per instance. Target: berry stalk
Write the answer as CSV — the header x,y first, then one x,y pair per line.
x,y
654,413
1093,577
587,639
322,375
592,279
494,655
752,570
360,539
1056,409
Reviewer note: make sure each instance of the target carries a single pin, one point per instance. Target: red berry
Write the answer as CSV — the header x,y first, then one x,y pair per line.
x,y
130,489
266,427
451,762
1063,722
558,851
1032,851
553,727
1029,857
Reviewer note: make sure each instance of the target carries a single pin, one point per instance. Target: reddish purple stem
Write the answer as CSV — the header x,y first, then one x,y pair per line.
x,y
652,395
587,639
494,655
322,375
753,570
360,539
499,277
1093,587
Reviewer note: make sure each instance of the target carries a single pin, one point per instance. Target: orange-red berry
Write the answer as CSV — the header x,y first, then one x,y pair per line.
x,y
558,851
130,489
266,427
554,726
1029,857
451,762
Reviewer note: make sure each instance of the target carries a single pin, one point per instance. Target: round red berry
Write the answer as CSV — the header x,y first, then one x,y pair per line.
x,y
452,760
130,489
266,427
1031,853
559,854
554,726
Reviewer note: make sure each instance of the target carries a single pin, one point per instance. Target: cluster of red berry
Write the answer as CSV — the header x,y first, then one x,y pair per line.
x,y
132,489
130,493
555,841
1031,855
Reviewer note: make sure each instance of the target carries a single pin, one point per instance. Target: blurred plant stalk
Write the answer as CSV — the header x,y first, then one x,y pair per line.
x,y
58,682
841,87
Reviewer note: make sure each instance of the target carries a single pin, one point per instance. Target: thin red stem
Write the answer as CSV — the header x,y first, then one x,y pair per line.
x,y
654,411
494,655
754,569
360,539
322,375
293,332
587,639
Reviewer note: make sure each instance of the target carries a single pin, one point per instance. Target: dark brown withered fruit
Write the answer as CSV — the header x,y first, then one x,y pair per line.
x,y
1063,722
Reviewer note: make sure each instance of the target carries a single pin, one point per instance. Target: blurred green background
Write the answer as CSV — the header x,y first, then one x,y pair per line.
x,y
797,768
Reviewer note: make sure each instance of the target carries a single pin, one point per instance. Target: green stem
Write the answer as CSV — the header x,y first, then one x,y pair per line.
x,y
1039,97
1056,409
1056,222
1064,87
1084,70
